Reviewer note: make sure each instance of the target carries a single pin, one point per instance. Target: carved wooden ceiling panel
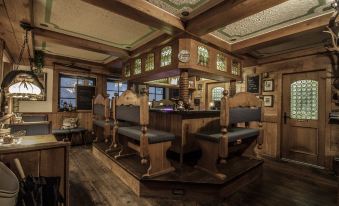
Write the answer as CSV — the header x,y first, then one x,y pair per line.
x,y
66,51
282,15
80,19
176,7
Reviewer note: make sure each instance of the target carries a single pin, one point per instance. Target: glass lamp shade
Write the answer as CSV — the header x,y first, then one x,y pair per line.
x,y
24,89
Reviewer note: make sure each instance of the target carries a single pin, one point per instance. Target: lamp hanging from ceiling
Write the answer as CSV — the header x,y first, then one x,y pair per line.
x,y
23,83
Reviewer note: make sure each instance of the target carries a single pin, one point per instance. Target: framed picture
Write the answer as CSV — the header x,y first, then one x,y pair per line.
x,y
268,85
191,84
268,100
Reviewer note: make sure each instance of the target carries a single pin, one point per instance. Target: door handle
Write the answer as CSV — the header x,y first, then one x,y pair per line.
x,y
285,117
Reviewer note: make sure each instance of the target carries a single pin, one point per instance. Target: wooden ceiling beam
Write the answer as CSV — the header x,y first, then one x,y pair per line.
x,y
67,40
227,13
162,39
281,35
62,59
216,41
292,55
143,12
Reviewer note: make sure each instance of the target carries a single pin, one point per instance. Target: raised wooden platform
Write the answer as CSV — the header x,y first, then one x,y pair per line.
x,y
186,182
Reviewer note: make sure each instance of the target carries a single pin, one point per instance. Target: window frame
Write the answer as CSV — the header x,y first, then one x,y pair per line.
x,y
214,92
94,79
155,93
149,62
114,82
162,63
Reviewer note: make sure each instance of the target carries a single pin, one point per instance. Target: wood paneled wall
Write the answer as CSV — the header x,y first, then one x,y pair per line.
x,y
85,117
273,115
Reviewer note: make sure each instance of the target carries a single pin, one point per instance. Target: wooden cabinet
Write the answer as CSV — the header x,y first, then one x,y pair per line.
x,y
40,155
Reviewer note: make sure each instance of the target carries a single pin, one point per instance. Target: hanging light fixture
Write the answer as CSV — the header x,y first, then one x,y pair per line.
x,y
22,83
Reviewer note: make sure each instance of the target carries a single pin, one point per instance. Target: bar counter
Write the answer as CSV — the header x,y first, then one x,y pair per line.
x,y
184,124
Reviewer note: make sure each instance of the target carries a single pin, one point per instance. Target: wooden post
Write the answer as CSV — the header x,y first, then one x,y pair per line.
x,y
233,87
183,86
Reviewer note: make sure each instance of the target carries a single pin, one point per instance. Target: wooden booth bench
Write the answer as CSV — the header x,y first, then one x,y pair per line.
x,y
135,137
216,145
102,122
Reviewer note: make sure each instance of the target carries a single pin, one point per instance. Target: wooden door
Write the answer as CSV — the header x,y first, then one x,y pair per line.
x,y
303,116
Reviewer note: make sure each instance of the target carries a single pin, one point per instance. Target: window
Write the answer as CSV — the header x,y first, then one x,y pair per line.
x,y
137,66
67,88
166,56
221,62
115,87
128,70
304,99
202,56
217,93
149,62
156,93
236,67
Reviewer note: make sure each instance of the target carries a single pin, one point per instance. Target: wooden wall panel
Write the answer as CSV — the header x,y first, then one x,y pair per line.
x,y
58,168
270,140
273,115
29,161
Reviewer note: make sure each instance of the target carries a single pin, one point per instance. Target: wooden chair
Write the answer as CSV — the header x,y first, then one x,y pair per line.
x,y
150,144
242,108
101,117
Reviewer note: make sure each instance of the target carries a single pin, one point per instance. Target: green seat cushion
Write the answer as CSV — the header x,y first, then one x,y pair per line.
x,y
233,134
154,136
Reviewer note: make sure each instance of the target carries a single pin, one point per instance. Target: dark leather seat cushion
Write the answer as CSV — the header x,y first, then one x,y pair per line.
x,y
102,123
61,131
233,134
154,136
78,129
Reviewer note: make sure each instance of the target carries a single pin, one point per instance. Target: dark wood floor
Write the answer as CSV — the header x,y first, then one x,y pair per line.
x,y
282,184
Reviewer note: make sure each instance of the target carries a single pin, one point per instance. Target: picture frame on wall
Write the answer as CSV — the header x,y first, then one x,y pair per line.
x,y
268,85
268,100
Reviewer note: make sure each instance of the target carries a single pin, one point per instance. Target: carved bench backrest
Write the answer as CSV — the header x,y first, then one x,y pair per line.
x,y
243,107
101,108
131,107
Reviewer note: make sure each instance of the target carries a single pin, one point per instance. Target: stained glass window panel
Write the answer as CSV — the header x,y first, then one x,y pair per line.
x,y
127,70
149,62
166,56
304,100
217,93
221,62
203,56
236,67
137,66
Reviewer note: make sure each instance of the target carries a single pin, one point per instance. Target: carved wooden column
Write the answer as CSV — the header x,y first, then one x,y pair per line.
x,y
233,88
183,86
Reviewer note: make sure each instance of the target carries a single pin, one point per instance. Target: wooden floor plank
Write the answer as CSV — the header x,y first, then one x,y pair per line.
x,y
93,184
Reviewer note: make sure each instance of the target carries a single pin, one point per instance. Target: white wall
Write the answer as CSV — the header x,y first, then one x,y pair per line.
x,y
41,106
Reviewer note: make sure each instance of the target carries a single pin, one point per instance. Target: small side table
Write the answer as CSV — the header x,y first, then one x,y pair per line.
x,y
62,132
80,131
